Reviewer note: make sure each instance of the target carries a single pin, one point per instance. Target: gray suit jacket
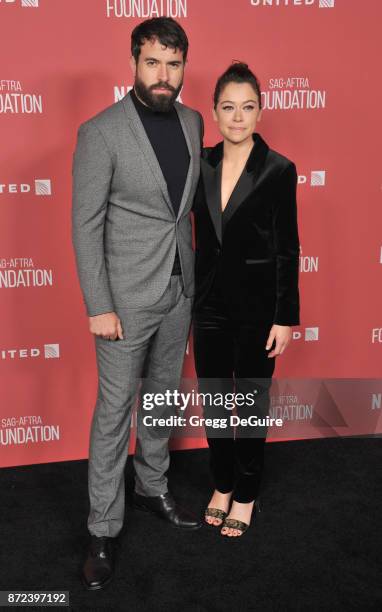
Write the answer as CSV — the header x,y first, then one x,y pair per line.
x,y
123,225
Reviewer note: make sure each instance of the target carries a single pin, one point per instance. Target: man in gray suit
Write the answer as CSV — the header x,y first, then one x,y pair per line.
x,y
135,172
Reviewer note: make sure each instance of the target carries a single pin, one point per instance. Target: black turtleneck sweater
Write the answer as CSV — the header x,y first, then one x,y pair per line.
x,y
166,136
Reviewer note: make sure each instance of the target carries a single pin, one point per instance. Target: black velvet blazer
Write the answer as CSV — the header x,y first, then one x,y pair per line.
x,y
252,248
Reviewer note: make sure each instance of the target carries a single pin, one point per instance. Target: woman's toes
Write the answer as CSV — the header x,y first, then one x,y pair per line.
x,y
217,522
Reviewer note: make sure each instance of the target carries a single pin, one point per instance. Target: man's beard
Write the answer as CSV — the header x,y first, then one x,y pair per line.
x,y
161,103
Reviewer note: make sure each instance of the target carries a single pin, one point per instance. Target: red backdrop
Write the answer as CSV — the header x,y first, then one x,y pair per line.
x,y
62,61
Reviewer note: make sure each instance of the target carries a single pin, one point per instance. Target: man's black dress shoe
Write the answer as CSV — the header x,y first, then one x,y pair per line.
x,y
98,568
166,507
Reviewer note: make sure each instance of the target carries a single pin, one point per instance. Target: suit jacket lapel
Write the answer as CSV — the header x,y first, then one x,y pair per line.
x,y
212,188
193,154
244,186
249,179
248,182
146,147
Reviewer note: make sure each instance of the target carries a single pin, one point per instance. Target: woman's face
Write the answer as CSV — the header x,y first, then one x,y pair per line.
x,y
237,112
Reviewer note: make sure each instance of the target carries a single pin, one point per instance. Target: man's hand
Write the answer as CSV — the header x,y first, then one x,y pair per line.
x,y
106,325
283,335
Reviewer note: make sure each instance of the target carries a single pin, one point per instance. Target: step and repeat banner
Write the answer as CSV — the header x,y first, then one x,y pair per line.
x,y
318,61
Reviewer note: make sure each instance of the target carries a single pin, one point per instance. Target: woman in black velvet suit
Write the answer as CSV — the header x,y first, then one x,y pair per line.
x,y
246,301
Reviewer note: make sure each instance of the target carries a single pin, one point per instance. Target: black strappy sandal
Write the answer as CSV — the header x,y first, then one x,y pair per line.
x,y
240,525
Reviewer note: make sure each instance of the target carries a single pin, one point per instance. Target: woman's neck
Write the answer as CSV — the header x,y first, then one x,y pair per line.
x,y
235,152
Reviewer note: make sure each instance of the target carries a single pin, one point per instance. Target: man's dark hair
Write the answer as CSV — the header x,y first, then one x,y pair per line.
x,y
165,29
237,72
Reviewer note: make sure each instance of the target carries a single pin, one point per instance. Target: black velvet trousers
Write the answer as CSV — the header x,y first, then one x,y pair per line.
x,y
230,357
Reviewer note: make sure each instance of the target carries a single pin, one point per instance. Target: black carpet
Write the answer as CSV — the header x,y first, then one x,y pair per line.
x,y
315,546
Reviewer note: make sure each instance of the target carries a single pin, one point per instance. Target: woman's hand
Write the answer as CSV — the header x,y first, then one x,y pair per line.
x,y
283,335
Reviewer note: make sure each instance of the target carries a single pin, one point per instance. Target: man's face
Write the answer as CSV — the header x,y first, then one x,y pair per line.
x,y
158,75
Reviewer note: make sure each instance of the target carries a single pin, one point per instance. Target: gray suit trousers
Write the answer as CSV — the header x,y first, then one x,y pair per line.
x,y
152,349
